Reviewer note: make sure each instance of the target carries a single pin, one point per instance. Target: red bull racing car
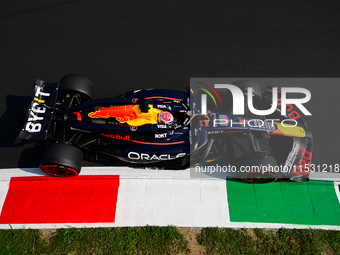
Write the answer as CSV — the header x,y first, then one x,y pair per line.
x,y
159,127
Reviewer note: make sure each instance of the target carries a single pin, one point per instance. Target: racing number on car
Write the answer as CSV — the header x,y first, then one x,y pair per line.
x,y
36,108
294,115
304,163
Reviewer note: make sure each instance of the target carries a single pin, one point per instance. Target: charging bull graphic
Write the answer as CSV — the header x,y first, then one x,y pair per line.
x,y
130,114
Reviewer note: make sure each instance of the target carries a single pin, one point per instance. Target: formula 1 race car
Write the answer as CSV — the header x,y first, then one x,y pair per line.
x,y
160,127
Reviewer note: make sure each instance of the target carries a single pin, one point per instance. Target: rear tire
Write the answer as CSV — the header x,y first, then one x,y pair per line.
x,y
61,160
74,83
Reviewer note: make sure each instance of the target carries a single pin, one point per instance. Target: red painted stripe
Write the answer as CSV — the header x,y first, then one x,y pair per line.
x,y
81,199
157,143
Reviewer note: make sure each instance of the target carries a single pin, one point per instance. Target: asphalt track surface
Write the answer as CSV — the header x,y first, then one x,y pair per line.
x,y
124,46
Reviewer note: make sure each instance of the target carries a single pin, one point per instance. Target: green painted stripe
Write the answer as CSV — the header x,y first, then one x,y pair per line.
x,y
308,203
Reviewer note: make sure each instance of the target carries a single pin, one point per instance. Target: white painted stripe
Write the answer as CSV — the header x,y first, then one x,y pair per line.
x,y
179,202
337,191
4,186
6,174
280,225
123,172
128,172
320,176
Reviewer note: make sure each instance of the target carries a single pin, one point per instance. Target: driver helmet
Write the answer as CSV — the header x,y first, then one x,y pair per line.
x,y
165,118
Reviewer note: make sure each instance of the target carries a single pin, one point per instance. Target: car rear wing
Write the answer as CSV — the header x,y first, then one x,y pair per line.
x,y
40,112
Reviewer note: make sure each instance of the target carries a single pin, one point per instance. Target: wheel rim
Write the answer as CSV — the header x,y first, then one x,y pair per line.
x,y
59,171
259,177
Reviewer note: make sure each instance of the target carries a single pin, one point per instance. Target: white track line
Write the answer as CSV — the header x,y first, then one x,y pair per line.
x,y
319,176
337,190
123,172
4,186
128,172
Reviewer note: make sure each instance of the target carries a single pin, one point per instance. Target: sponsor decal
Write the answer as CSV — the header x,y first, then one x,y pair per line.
x,y
294,115
224,120
205,122
271,127
133,128
213,132
122,113
117,136
144,156
161,135
161,106
129,114
161,126
304,163
33,125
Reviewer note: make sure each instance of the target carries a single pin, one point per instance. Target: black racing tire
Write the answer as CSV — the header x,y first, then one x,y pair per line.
x,y
243,84
61,160
74,83
257,175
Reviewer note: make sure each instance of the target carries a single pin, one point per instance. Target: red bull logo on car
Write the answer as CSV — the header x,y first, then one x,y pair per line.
x,y
130,114
117,136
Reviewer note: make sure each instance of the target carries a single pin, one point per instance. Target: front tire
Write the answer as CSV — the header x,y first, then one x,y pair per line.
x,y
258,168
61,160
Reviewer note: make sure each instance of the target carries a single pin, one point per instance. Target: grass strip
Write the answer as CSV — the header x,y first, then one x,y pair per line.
x,y
142,240
138,240
168,240
21,241
259,241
